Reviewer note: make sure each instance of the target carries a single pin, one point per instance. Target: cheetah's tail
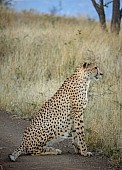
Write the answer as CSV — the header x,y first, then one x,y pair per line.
x,y
19,151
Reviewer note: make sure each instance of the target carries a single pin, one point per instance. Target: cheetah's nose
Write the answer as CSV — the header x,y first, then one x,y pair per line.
x,y
101,74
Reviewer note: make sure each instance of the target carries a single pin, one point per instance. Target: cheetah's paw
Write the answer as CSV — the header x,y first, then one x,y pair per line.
x,y
11,158
89,154
58,151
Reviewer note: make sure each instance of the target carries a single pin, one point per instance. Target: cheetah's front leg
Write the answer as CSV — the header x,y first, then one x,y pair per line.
x,y
79,128
75,141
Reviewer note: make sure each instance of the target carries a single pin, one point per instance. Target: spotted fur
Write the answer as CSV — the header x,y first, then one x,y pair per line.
x,y
60,116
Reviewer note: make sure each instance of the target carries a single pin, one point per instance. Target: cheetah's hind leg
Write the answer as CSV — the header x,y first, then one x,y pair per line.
x,y
19,151
47,151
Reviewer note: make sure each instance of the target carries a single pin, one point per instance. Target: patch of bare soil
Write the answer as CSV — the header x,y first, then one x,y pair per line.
x,y
11,131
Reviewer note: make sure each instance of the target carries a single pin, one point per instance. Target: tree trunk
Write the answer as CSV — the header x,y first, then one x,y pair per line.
x,y
116,17
101,13
102,18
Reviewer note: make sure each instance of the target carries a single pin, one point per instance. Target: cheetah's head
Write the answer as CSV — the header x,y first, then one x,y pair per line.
x,y
91,71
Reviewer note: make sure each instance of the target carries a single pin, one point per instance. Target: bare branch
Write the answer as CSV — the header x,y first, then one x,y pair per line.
x,y
6,2
96,5
106,5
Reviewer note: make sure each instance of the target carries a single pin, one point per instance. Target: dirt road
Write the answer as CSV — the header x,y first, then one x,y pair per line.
x,y
11,130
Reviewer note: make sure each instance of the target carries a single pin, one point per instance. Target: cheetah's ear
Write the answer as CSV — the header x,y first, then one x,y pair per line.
x,y
85,65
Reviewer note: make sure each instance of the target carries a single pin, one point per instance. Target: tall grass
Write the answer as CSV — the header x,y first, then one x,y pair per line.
x,y
37,52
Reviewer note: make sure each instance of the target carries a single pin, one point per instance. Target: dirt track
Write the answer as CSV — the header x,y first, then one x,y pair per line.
x,y
11,130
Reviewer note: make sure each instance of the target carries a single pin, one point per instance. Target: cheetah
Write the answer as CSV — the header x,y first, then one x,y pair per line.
x,y
60,116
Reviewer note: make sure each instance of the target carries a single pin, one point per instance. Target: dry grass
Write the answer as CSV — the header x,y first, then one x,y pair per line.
x,y
38,52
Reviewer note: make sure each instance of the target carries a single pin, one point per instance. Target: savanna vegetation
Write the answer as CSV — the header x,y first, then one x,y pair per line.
x,y
37,53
